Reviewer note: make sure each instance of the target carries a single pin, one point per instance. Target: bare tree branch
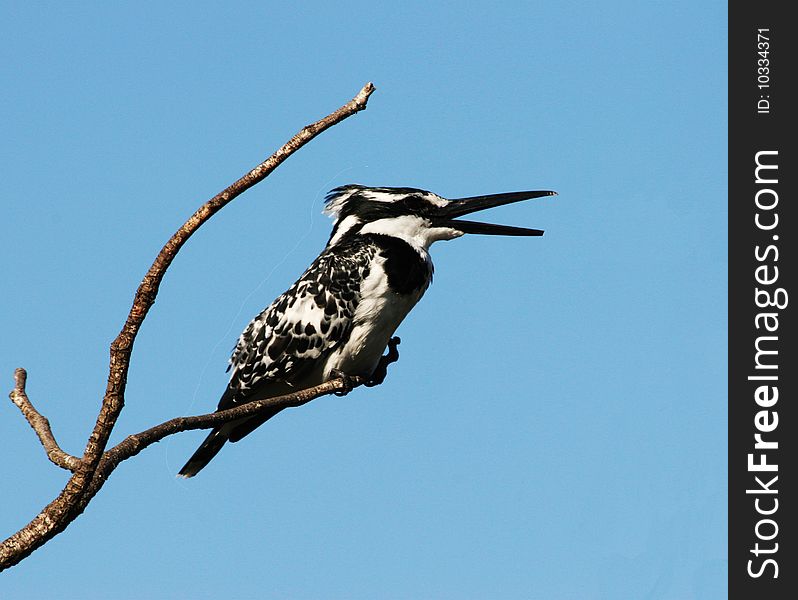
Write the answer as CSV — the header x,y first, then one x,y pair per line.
x,y
40,424
91,471
133,444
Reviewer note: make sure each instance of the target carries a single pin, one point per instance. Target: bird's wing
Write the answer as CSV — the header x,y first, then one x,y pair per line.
x,y
300,326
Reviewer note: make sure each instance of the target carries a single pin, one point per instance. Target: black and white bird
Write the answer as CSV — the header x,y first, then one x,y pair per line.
x,y
340,316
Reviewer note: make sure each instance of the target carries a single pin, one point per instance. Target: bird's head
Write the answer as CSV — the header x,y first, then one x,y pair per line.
x,y
416,216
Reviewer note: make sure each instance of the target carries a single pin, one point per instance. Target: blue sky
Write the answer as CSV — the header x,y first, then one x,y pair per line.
x,y
556,425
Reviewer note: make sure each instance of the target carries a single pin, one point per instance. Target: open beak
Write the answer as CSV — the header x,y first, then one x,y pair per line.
x,y
447,215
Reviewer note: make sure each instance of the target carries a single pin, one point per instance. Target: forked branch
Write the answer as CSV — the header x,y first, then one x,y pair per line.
x,y
90,471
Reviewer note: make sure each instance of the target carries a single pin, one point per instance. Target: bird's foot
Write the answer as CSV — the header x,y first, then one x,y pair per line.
x,y
348,381
382,367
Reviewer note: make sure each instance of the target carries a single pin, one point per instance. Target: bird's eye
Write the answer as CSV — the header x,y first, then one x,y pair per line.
x,y
415,204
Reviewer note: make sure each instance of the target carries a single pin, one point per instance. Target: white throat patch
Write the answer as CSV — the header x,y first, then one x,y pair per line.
x,y
416,231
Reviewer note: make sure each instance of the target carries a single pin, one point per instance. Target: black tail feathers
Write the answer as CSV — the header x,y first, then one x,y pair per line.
x,y
207,450
229,432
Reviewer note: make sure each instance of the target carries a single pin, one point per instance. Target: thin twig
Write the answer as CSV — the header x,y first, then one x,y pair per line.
x,y
86,480
41,425
133,444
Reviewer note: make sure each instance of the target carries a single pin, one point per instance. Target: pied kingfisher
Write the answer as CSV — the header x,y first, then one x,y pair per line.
x,y
340,316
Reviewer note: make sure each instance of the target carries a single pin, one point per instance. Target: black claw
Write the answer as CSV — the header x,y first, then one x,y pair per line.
x,y
348,382
393,353
382,367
